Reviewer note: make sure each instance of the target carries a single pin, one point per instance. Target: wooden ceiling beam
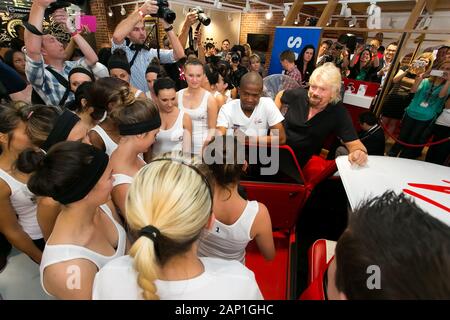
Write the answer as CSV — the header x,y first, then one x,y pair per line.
x,y
293,12
415,13
327,13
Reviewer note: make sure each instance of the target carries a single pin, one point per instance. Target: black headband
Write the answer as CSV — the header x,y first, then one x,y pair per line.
x,y
81,70
115,63
153,68
84,183
204,178
150,232
61,129
131,129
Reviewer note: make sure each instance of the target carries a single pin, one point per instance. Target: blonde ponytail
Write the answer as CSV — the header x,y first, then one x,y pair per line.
x,y
173,195
145,263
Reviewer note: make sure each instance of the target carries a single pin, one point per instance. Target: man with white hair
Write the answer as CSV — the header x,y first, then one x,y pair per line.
x,y
313,115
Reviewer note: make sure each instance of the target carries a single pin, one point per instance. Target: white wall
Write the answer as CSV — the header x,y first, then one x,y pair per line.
x,y
220,28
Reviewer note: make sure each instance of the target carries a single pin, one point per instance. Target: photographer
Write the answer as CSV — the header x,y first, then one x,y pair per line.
x,y
365,67
237,71
335,55
430,93
44,49
139,57
399,95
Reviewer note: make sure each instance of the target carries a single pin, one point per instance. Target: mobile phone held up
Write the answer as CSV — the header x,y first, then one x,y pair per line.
x,y
437,73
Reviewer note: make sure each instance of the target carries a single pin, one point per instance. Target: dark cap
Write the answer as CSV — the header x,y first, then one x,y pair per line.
x,y
55,6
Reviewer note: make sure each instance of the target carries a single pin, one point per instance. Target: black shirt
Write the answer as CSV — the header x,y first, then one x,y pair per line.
x,y
373,140
306,137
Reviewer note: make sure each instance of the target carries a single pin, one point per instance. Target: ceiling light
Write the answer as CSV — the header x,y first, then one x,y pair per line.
x,y
345,11
352,22
110,12
247,7
286,9
269,14
122,11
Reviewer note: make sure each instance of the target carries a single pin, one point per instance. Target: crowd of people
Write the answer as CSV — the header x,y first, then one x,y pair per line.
x,y
101,163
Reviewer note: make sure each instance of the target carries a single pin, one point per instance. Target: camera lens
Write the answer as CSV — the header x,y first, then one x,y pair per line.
x,y
204,19
164,12
169,15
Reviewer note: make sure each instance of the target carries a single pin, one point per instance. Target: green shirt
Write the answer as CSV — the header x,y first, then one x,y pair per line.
x,y
426,104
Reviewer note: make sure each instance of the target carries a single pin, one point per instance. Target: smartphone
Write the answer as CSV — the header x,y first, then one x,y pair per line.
x,y
86,20
437,73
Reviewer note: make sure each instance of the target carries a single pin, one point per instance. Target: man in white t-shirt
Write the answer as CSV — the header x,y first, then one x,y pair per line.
x,y
251,114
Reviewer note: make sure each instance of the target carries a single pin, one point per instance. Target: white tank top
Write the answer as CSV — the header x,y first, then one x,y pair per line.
x,y
137,93
229,241
171,139
24,203
110,145
64,252
217,93
120,178
199,118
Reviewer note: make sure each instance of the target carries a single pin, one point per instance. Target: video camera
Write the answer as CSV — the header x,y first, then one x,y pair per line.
x,y
202,17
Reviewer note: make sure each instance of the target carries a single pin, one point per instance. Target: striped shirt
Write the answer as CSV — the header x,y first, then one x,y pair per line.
x,y
143,59
45,83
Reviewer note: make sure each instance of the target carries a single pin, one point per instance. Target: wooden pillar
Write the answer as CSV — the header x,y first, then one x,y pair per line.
x,y
327,13
292,15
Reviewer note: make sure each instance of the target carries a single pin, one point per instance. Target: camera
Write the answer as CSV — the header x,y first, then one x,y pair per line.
x,y
235,57
164,12
202,17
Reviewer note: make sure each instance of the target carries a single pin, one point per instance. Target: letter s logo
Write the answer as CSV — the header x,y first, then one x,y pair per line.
x,y
294,42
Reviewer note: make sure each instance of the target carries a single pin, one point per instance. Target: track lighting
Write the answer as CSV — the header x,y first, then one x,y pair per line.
x,y
269,14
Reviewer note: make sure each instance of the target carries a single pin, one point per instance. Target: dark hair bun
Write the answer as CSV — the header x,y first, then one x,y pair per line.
x,y
29,160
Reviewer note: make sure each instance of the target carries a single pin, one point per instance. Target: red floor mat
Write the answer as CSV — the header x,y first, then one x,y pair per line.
x,y
271,275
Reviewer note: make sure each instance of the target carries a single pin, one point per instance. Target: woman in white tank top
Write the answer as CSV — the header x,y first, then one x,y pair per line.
x,y
109,93
175,133
199,104
87,233
213,82
46,126
138,124
164,215
119,67
237,221
18,220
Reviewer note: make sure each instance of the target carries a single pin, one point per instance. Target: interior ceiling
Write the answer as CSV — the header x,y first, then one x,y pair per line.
x,y
394,6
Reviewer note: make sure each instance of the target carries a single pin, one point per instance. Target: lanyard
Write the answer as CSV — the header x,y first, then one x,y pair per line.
x,y
430,92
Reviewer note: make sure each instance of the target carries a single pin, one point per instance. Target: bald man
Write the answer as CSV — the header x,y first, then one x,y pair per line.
x,y
252,115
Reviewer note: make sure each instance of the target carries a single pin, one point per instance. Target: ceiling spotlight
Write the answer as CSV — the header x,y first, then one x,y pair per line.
x,y
219,5
286,9
123,11
296,22
345,11
352,22
269,14
110,12
247,7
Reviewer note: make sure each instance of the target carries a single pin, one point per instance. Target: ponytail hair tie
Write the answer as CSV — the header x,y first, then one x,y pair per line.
x,y
30,114
150,232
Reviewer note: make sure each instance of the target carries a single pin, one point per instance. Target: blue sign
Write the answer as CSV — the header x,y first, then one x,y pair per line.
x,y
292,38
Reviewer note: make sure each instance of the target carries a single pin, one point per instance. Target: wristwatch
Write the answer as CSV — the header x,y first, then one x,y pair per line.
x,y
168,28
